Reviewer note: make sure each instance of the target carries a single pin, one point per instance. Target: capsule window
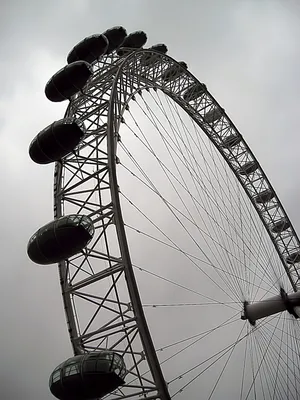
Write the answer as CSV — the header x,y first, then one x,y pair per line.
x,y
103,366
87,224
90,365
118,365
56,376
33,237
109,356
71,370
76,219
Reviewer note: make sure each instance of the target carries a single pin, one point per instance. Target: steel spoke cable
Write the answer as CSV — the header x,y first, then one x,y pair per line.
x,y
226,363
188,254
177,219
278,347
132,173
244,364
270,361
204,334
196,174
263,377
193,122
197,266
186,140
227,348
227,304
248,204
189,304
178,147
278,362
225,351
167,201
267,365
185,206
268,354
294,372
188,233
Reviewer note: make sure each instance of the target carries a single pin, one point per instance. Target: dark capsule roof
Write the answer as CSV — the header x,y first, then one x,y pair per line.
x,y
68,81
88,376
56,141
183,64
173,72
265,196
213,115
89,49
60,239
195,91
281,225
294,257
134,40
149,58
248,168
231,141
115,36
160,47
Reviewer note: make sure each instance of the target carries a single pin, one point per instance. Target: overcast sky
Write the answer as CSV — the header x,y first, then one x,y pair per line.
x,y
247,53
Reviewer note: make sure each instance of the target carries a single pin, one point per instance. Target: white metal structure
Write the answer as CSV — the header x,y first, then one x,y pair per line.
x,y
204,206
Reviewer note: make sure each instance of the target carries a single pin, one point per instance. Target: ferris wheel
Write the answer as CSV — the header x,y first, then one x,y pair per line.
x,y
178,265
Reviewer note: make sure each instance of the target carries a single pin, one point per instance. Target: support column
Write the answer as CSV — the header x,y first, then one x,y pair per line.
x,y
271,306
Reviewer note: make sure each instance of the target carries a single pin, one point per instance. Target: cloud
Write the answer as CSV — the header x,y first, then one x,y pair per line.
x,y
248,55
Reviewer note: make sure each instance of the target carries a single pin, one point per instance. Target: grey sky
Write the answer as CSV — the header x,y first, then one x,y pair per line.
x,y
247,53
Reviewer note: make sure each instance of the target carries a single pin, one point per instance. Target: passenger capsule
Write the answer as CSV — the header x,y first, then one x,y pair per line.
x,y
213,115
174,72
195,91
88,376
248,168
150,59
293,258
56,141
134,40
281,225
89,49
115,36
60,239
231,141
265,196
68,81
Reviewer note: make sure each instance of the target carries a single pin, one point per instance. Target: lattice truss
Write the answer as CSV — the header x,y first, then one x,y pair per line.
x,y
98,306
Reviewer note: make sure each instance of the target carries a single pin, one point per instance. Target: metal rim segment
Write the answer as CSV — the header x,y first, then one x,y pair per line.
x,y
103,102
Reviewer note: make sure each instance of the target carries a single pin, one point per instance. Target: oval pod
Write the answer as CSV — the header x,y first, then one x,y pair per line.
x,y
134,40
115,36
60,239
265,196
89,49
88,376
195,91
149,59
174,72
68,81
56,141
293,258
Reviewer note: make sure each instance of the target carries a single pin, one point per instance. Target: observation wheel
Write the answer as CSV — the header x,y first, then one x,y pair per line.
x,y
178,264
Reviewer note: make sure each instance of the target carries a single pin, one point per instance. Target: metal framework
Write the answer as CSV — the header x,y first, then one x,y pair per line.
x,y
86,182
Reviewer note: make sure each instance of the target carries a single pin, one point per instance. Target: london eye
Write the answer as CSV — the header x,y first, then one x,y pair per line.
x,y
178,265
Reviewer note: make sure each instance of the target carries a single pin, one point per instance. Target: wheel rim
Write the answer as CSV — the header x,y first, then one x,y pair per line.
x,y
66,187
